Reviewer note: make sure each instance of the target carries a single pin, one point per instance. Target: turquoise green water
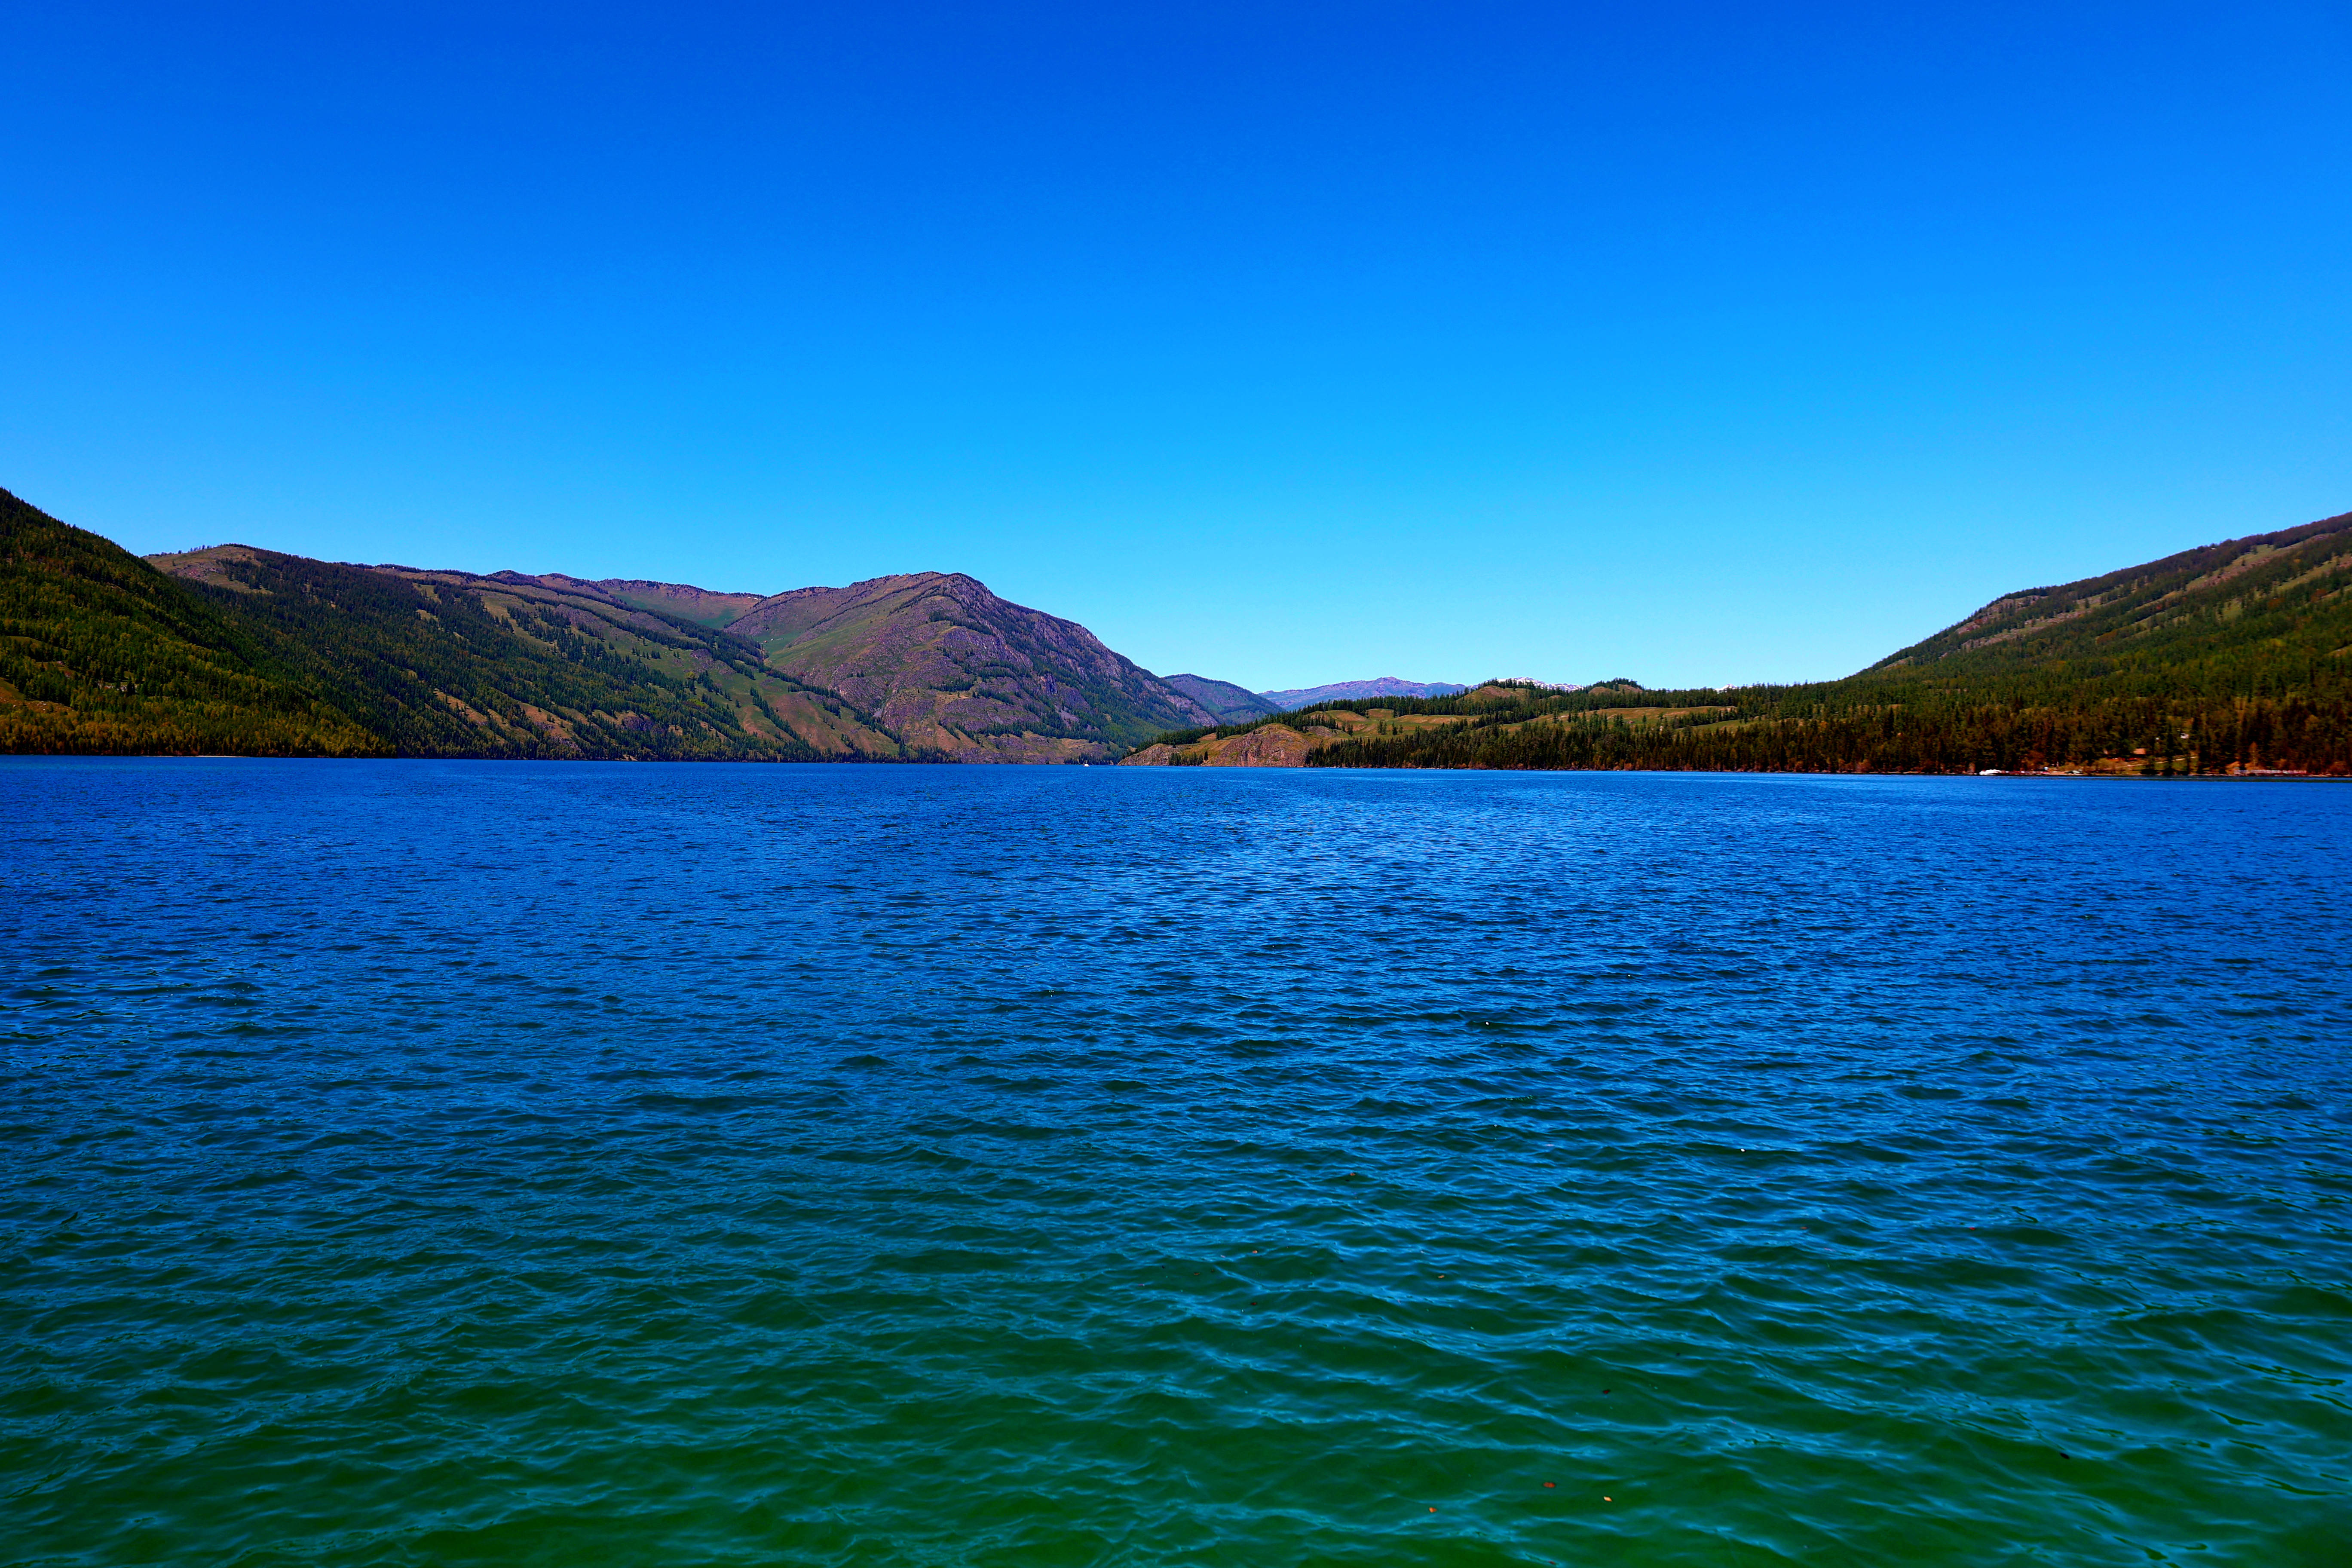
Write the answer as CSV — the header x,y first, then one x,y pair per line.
x,y
456,1164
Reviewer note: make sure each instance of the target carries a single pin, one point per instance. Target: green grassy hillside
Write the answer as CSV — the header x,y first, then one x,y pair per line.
x,y
2234,658
101,653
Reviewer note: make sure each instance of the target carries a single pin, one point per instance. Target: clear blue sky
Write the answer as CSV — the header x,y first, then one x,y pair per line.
x,y
1279,343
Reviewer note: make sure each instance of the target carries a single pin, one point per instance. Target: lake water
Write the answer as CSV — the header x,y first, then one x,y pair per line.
x,y
453,1163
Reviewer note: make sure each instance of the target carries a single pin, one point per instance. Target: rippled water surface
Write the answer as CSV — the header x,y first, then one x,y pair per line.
x,y
491,1163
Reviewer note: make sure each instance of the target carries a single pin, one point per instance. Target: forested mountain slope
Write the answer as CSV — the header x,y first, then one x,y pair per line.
x,y
2259,614
1227,703
101,653
453,664
2232,657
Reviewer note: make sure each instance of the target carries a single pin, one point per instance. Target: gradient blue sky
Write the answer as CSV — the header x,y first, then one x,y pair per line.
x,y
1279,343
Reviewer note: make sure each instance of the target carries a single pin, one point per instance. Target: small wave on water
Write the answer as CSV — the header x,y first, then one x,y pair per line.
x,y
453,1163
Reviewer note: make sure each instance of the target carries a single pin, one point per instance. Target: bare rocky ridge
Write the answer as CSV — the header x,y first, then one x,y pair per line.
x,y
1269,746
953,670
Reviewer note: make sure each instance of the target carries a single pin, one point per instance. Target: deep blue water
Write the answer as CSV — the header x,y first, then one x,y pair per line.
x,y
577,1164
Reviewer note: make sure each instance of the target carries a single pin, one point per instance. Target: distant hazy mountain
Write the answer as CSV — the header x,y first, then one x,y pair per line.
x,y
235,649
1232,704
1347,690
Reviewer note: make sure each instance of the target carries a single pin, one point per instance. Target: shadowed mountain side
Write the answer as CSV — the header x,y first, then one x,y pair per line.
x,y
453,664
101,653
1231,704
951,667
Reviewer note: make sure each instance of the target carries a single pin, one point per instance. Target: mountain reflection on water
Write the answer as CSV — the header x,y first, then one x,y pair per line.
x,y
421,1163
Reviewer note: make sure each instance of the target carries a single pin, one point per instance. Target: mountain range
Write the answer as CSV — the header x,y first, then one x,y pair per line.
x,y
233,648
2231,657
